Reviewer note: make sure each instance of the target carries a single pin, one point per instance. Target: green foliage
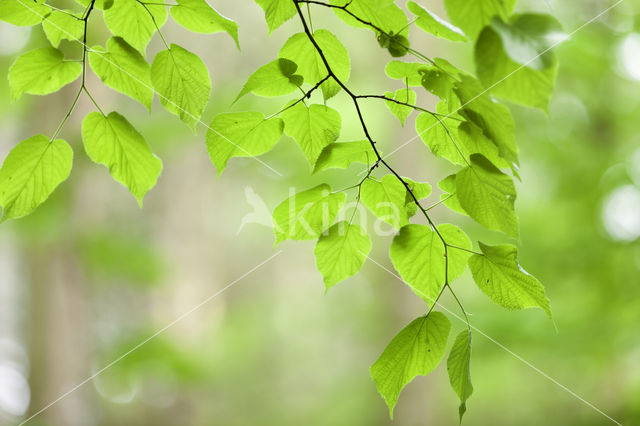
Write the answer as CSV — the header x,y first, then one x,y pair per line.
x,y
111,140
402,112
24,13
62,25
277,12
433,24
500,276
415,351
40,72
276,78
418,254
388,200
474,15
182,82
135,22
124,69
459,369
241,134
409,72
341,251
30,173
199,17
342,155
312,127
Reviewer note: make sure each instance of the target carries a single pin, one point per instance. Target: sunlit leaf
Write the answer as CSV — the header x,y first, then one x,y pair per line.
x,y
276,78
473,15
342,155
62,25
23,13
198,16
458,367
277,12
134,21
402,112
433,24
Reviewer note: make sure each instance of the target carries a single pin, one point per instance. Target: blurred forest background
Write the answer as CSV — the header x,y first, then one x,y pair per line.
x,y
89,275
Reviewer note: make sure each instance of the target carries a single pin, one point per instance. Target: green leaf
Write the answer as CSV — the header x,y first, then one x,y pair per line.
x,y
418,255
182,82
448,185
24,13
409,72
341,252
441,84
459,369
500,276
488,195
276,12
513,59
276,78
300,50
30,173
402,112
472,16
241,134
40,72
492,118
416,350
199,17
62,26
111,140
342,155
386,199
134,21
312,127
421,190
124,69
439,135
382,13
307,214
433,24
99,4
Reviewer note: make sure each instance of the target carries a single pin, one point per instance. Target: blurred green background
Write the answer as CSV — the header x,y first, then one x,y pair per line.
x,y
90,275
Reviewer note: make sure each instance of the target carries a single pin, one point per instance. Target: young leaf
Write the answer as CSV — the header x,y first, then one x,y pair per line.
x,y
519,50
341,252
472,16
98,4
182,82
312,127
488,196
441,84
199,17
433,24
440,136
276,12
418,255
30,173
448,185
307,214
402,112
500,276
416,350
386,199
24,13
62,26
114,142
276,78
299,49
421,190
124,69
459,369
135,22
241,134
409,72
382,13
40,72
342,155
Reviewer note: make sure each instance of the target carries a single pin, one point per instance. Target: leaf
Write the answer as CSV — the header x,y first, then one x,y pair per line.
x,y
124,69
342,155
492,118
134,22
241,134
182,82
500,276
439,135
458,367
418,255
402,112
111,140
519,50
382,13
312,127
24,13
409,72
472,16
276,78
488,196
341,252
307,214
98,4
386,199
300,50
40,72
30,173
198,16
441,84
433,24
276,12
448,185
416,350
62,26
421,190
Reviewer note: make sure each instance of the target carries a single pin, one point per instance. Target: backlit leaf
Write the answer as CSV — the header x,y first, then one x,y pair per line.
x,y
277,12
342,155
62,26
402,112
433,24
276,78
458,367
24,13
473,15
198,16
134,21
